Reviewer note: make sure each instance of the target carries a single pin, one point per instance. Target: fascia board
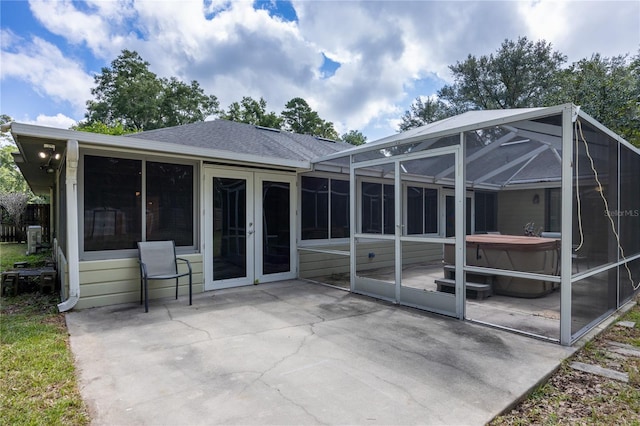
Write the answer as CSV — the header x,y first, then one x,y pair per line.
x,y
131,142
527,115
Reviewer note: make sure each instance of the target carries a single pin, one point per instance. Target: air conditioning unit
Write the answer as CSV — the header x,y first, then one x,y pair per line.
x,y
34,238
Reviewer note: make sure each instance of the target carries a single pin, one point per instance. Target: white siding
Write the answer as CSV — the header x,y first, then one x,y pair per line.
x,y
313,264
108,282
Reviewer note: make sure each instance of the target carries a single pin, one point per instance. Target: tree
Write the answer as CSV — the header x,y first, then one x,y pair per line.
x,y
100,127
608,89
182,104
11,180
354,137
325,129
15,203
300,118
130,94
253,112
423,112
520,75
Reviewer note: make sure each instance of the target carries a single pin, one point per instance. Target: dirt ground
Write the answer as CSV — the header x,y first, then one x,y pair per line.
x,y
576,397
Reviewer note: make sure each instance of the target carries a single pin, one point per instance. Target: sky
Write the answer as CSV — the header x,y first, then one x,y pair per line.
x,y
359,64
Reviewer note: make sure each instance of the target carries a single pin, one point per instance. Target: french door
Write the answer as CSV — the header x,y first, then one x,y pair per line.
x,y
249,227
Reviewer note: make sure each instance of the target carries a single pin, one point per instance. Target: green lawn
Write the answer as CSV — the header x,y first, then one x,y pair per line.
x,y
37,375
16,252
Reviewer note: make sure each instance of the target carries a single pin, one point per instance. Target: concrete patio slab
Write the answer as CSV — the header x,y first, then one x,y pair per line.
x,y
297,353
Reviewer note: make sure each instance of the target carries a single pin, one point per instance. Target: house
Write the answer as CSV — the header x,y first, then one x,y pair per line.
x,y
249,205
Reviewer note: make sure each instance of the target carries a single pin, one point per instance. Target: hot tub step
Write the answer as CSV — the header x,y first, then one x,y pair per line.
x,y
473,277
481,291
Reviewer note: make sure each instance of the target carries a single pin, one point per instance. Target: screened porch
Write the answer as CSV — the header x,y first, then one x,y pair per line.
x,y
525,219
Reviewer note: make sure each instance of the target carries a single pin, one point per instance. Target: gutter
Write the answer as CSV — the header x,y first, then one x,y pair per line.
x,y
73,256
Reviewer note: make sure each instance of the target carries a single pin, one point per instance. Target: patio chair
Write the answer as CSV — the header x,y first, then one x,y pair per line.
x,y
158,261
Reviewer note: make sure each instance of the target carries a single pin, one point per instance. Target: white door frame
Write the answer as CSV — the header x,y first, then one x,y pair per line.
x,y
254,228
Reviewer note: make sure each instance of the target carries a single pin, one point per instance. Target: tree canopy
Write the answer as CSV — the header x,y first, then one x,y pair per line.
x,y
11,179
608,89
354,137
423,112
519,75
128,98
129,94
525,74
300,118
253,112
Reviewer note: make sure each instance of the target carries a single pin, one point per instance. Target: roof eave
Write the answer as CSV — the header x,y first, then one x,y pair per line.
x,y
131,142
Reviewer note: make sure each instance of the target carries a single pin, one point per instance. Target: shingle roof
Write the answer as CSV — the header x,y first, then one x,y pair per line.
x,y
245,139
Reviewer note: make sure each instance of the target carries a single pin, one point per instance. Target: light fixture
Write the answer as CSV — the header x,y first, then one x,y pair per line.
x,y
49,154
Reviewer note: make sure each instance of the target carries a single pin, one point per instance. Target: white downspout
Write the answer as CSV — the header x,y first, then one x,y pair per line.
x,y
73,256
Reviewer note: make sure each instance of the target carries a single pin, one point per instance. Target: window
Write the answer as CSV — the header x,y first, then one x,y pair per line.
x,y
315,208
553,209
422,210
378,208
169,203
486,212
325,208
339,209
113,198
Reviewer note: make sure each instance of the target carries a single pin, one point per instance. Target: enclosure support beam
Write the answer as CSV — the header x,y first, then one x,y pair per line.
x,y
461,245
566,225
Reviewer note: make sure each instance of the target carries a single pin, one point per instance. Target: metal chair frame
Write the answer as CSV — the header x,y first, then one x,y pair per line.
x,y
158,261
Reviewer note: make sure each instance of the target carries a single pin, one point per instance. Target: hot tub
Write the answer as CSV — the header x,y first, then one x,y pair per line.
x,y
514,253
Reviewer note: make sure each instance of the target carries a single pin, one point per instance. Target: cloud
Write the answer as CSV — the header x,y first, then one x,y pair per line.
x,y
60,121
388,52
43,65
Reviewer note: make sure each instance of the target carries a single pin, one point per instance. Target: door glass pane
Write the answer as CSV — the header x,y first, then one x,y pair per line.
x,y
229,228
276,241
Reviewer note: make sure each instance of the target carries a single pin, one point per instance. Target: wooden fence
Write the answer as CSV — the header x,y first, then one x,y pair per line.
x,y
36,214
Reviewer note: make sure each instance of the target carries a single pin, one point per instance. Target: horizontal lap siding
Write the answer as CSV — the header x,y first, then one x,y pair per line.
x,y
314,264
109,282
516,209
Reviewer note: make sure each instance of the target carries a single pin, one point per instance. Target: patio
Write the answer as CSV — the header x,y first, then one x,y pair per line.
x,y
294,352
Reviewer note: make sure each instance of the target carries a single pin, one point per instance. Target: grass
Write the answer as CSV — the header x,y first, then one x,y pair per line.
x,y
38,384
575,397
15,252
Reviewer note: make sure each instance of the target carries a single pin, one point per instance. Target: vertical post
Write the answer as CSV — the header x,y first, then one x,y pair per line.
x,y
352,226
566,227
460,221
398,227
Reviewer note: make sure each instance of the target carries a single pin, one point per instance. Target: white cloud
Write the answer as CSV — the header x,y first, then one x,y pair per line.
x,y
50,73
60,121
389,52
101,27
